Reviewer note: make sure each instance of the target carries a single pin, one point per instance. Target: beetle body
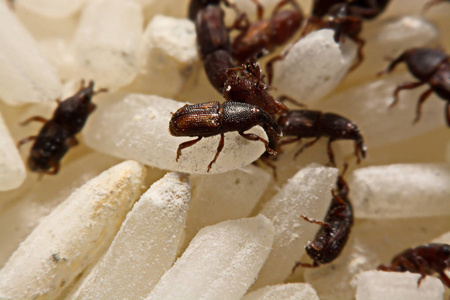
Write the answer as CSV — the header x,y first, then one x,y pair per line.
x,y
425,260
315,124
212,118
334,231
52,144
429,66
57,135
267,34
249,88
212,39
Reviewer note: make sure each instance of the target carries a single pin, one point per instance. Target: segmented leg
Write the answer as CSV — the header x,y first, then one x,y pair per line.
x,y
444,278
404,86
314,221
26,140
331,153
307,145
360,54
219,149
339,199
34,119
393,64
299,264
254,137
185,145
422,272
269,64
259,9
422,99
283,98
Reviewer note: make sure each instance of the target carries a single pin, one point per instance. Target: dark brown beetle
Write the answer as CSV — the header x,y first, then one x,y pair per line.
x,y
334,231
212,118
264,35
316,124
58,134
430,66
212,39
250,88
425,260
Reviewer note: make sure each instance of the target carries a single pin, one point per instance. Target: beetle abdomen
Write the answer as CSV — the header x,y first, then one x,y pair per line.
x,y
196,120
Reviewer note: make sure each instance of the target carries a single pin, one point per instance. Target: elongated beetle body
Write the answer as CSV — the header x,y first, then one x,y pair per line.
x,y
334,231
425,260
212,118
430,66
58,134
316,124
212,39
264,35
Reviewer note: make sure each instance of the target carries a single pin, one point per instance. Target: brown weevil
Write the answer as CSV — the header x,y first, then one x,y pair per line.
x,y
316,124
57,135
264,35
212,118
425,260
212,39
334,231
430,66
250,88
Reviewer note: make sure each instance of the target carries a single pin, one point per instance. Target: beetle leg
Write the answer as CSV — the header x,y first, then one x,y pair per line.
x,y
254,137
422,99
26,140
360,54
444,278
331,153
230,71
269,64
307,145
185,145
404,86
219,149
421,262
259,9
336,197
393,64
314,221
283,98
35,118
299,264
